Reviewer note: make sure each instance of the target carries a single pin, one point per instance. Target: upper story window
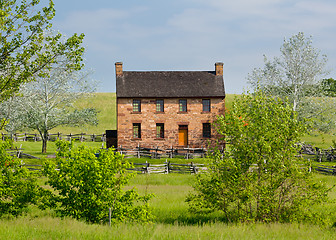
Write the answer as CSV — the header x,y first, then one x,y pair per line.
x,y
206,130
160,130
206,105
183,105
136,130
136,105
159,105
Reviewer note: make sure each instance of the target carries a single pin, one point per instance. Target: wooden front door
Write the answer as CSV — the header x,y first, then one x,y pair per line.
x,y
183,135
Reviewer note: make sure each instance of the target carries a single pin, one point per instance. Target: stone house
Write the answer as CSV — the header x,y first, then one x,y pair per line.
x,y
168,108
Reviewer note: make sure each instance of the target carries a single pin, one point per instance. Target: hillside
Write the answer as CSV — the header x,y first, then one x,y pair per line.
x,y
105,103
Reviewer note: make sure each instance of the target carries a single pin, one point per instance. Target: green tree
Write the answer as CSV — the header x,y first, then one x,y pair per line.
x,y
329,87
296,75
18,187
27,49
88,185
259,178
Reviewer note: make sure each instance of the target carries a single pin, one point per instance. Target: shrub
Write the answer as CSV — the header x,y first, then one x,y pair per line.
x,y
18,187
89,181
259,178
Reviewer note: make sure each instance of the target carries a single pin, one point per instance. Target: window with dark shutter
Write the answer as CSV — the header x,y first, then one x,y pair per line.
x,y
183,105
136,105
159,105
159,130
206,130
136,130
206,105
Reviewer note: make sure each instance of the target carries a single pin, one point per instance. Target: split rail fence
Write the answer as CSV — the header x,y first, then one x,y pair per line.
x,y
148,168
34,137
157,153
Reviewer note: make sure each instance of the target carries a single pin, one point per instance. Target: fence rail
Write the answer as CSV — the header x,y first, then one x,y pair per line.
x,y
157,153
34,137
148,168
326,169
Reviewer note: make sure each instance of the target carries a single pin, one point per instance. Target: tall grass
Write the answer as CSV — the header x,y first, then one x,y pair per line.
x,y
53,228
172,219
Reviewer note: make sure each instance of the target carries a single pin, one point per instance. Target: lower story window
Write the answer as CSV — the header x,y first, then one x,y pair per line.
x,y
206,130
159,130
136,130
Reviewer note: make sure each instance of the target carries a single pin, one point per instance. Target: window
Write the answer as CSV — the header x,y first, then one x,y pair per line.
x,y
159,105
206,105
159,130
183,105
136,130
206,130
136,105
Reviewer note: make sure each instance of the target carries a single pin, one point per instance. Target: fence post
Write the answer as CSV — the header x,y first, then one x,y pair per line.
x,y
147,166
139,151
187,152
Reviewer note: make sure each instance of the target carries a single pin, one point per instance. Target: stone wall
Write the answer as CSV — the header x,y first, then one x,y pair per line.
x,y
171,117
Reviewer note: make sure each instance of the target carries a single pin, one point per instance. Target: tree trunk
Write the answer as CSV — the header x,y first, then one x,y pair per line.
x,y
44,142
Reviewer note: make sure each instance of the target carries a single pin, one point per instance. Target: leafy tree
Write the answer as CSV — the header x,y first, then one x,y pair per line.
x,y
27,50
48,102
329,87
259,178
295,75
18,187
88,185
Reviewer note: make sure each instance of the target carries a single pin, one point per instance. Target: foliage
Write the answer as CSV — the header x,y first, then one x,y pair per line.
x,y
27,49
296,75
329,87
18,187
259,177
48,102
89,181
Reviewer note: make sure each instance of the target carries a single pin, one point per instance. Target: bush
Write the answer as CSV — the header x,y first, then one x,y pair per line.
x,y
89,181
259,178
18,187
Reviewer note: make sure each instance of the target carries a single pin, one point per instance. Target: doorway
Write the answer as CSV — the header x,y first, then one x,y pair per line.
x,y
183,135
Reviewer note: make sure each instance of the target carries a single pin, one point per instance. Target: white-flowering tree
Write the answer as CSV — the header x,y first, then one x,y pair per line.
x,y
296,74
49,102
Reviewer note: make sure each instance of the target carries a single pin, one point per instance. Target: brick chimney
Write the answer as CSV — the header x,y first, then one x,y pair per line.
x,y
119,68
219,68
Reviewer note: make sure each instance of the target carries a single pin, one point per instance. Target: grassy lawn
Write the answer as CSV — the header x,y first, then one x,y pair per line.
x,y
172,219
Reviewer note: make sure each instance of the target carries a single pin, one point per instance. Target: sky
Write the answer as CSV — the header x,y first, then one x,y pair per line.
x,y
192,35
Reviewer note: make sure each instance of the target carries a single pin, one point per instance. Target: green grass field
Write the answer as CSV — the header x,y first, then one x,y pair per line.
x,y
172,219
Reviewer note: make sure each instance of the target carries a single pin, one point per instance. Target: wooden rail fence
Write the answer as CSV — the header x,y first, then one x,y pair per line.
x,y
157,153
148,168
34,137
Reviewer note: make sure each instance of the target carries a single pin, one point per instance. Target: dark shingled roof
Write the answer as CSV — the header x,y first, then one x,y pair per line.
x,y
170,84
